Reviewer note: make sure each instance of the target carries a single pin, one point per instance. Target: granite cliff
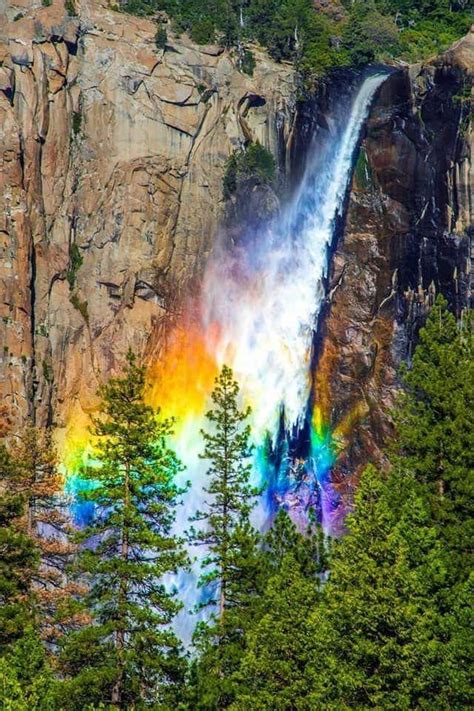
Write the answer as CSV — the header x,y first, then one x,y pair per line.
x,y
112,158
112,154
407,236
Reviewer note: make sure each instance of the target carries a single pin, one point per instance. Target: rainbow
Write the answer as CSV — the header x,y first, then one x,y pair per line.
x,y
258,312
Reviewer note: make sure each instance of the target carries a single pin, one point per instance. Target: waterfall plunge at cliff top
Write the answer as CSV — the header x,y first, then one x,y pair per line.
x,y
257,312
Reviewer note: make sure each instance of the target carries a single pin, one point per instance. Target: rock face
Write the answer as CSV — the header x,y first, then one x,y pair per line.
x,y
112,154
406,238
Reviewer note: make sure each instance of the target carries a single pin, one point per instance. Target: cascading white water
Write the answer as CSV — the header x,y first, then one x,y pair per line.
x,y
262,299
266,296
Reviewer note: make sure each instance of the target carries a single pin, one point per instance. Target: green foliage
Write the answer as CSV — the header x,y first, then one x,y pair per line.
x,y
140,7
280,643
19,557
220,644
12,697
231,566
75,263
47,371
391,627
203,31
80,306
369,34
427,28
76,122
381,619
129,655
362,171
247,63
383,637
47,524
294,30
161,37
231,497
70,8
254,162
30,670
435,427
46,3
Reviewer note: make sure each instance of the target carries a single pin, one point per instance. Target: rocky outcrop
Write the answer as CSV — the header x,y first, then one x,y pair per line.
x,y
112,153
406,238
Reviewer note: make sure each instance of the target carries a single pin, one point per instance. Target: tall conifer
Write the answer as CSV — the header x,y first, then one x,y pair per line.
x,y
232,566
129,656
392,627
231,496
435,428
47,524
19,557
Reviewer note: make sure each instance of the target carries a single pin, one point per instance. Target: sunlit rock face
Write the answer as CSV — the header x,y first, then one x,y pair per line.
x,y
406,238
113,145
120,148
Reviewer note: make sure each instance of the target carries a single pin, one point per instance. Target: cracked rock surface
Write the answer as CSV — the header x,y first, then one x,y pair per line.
x,y
407,237
112,154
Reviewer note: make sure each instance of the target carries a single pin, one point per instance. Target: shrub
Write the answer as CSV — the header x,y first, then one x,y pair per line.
x,y
247,63
230,177
369,34
81,306
75,263
139,7
253,162
47,371
294,30
258,160
161,37
203,31
70,8
76,122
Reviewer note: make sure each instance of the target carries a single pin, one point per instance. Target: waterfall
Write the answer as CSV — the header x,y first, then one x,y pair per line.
x,y
258,313
266,294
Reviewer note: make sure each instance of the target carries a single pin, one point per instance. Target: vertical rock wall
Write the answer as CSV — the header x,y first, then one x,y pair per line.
x,y
112,154
406,238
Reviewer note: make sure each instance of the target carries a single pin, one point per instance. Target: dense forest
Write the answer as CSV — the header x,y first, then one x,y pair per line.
x,y
317,36
380,619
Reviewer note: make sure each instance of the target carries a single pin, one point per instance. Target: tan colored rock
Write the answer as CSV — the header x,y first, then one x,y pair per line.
x,y
120,148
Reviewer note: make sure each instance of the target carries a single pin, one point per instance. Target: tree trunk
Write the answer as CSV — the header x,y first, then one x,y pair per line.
x,y
117,691
222,593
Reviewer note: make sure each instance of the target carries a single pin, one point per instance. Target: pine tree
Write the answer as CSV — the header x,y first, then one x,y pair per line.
x,y
231,496
435,427
392,626
382,636
46,523
280,644
28,666
129,657
19,556
232,565
220,645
